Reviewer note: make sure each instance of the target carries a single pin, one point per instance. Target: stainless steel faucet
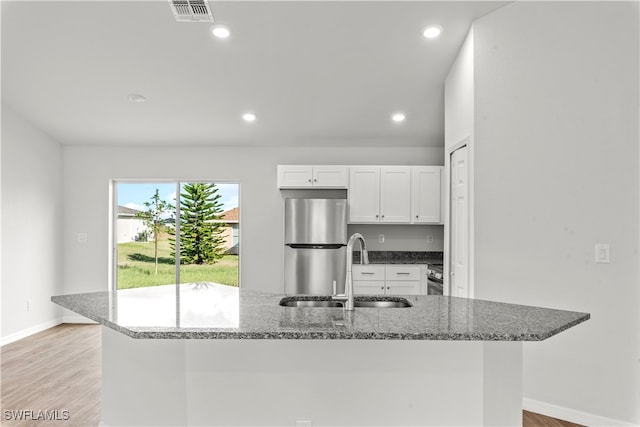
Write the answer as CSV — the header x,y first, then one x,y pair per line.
x,y
347,297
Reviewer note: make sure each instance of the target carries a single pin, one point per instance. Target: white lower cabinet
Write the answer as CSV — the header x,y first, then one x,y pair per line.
x,y
387,279
368,279
374,287
403,288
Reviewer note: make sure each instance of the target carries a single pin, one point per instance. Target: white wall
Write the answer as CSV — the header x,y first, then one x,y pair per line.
x,y
556,171
31,227
88,171
459,93
400,237
459,131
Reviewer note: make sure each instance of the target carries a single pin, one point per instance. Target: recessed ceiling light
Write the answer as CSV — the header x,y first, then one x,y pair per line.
x,y
432,32
249,117
135,97
221,31
398,117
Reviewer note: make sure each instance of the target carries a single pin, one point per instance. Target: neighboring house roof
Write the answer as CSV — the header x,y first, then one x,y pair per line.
x,y
232,215
124,211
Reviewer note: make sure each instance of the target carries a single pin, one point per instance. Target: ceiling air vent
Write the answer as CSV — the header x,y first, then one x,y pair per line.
x,y
191,10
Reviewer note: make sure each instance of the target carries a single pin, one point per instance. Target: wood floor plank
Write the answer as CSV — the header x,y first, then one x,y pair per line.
x,y
531,419
56,370
59,369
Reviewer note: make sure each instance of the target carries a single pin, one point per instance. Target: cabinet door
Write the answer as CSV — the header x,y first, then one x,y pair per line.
x,y
368,272
395,194
426,184
402,287
292,176
330,176
369,287
402,272
364,194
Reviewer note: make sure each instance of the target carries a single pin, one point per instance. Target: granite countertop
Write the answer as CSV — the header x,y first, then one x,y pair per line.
x,y
211,311
400,257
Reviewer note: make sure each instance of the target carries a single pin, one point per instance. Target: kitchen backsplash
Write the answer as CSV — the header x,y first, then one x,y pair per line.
x,y
398,237
400,257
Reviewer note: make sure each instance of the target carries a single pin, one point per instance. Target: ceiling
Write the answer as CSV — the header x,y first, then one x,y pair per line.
x,y
316,73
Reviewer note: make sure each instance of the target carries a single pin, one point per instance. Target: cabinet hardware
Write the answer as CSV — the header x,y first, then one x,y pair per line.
x,y
402,272
367,272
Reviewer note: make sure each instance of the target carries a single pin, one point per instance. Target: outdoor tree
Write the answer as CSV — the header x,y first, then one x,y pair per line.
x,y
201,239
153,218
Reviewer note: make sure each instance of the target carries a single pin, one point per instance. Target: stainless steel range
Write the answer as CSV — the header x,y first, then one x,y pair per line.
x,y
434,277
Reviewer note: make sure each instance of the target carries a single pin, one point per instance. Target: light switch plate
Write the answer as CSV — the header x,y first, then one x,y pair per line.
x,y
82,237
602,253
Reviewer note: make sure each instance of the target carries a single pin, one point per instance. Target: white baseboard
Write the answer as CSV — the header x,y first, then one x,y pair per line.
x,y
572,415
29,331
41,327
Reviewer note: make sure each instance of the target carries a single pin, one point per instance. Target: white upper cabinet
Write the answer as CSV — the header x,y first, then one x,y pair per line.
x,y
330,176
376,194
380,194
302,176
364,194
395,194
426,199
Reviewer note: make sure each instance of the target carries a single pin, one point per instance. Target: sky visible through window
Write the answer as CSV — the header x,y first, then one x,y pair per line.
x,y
133,195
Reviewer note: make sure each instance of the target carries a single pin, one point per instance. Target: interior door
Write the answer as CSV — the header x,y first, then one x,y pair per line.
x,y
459,204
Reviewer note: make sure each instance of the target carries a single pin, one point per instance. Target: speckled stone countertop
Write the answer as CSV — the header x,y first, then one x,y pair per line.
x,y
210,311
400,257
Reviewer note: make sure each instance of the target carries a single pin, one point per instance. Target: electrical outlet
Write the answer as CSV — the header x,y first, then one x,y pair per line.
x,y
82,237
429,239
602,253
380,238
28,305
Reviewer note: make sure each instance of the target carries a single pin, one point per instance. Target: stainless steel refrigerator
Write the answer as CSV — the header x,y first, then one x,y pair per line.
x,y
315,239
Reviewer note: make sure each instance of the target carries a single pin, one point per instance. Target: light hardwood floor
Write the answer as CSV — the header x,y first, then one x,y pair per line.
x,y
59,370
54,370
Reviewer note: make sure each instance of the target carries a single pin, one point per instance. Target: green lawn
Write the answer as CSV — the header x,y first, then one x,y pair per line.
x,y
136,267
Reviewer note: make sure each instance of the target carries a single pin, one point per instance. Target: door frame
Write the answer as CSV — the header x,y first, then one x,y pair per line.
x,y
447,215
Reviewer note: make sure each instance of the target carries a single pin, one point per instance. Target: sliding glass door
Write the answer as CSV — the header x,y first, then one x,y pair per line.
x,y
176,232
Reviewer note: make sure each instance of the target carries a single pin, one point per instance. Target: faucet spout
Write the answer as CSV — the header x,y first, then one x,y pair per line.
x,y
347,297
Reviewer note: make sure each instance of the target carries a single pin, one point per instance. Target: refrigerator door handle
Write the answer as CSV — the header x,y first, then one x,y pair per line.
x,y
312,246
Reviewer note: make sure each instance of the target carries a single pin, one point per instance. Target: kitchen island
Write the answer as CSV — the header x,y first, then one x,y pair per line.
x,y
207,354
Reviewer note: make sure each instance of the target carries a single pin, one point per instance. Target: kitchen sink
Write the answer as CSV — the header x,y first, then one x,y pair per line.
x,y
359,301
396,303
288,302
